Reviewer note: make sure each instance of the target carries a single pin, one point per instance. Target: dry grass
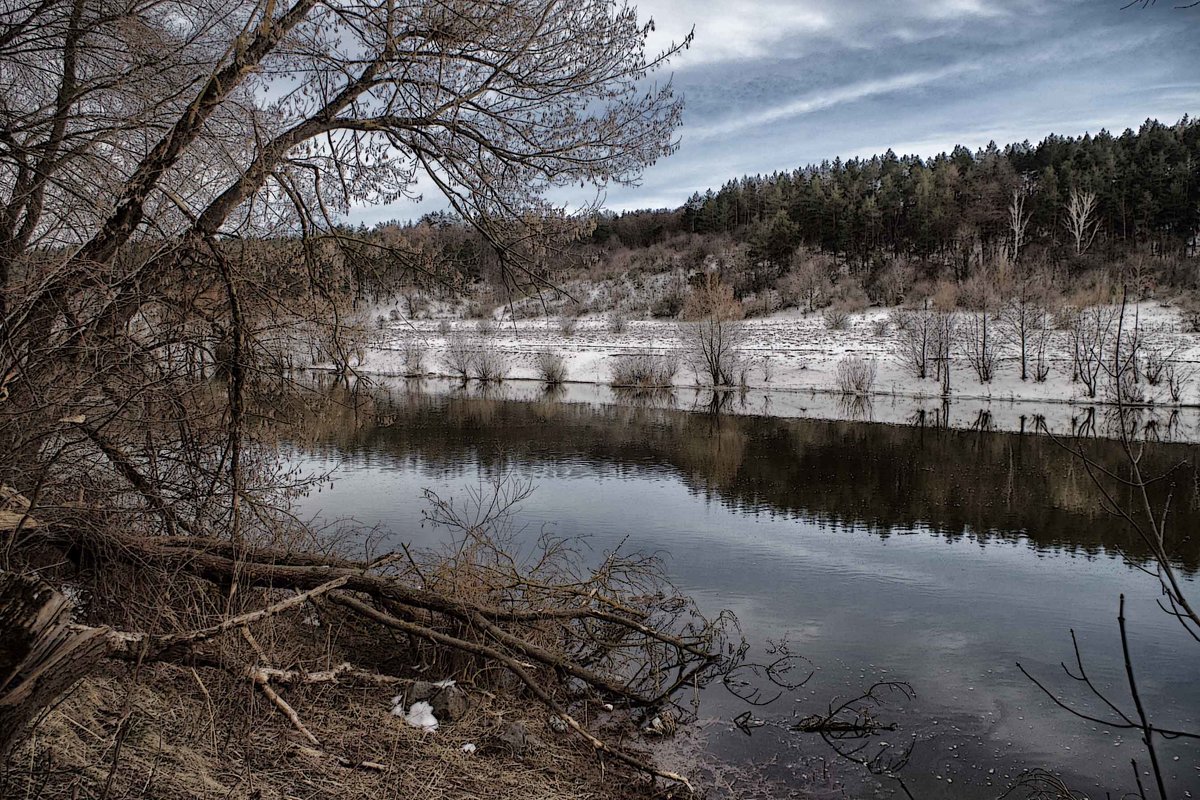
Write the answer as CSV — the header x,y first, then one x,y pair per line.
x,y
162,734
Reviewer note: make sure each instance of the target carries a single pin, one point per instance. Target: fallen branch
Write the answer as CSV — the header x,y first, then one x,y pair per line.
x,y
263,682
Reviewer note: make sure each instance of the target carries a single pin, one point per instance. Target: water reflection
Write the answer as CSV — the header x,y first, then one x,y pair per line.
x,y
929,554
957,483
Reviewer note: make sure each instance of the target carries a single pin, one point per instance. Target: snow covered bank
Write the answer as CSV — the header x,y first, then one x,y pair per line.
x,y
789,362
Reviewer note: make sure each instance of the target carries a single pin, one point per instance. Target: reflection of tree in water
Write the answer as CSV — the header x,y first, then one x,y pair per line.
x,y
884,477
656,397
711,451
857,407
983,422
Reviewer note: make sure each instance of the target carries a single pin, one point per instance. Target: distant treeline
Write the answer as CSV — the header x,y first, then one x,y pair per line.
x,y
954,205
1070,204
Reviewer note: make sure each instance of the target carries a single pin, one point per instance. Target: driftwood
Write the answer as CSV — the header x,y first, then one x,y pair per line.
x,y
504,634
823,724
41,654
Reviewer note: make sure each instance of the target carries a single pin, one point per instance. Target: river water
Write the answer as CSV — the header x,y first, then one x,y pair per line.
x,y
879,552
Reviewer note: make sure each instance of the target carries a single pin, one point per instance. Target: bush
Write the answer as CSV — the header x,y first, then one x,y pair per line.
x,y
459,357
916,345
1177,378
712,299
490,365
643,370
618,323
552,368
668,306
945,296
837,318
1189,312
413,355
856,375
880,326
807,285
567,325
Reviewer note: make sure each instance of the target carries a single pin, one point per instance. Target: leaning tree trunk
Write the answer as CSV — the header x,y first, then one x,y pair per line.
x,y
41,654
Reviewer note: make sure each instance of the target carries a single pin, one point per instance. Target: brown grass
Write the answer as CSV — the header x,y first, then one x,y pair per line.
x,y
174,732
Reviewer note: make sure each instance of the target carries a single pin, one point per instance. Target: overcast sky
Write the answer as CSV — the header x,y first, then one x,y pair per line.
x,y
776,84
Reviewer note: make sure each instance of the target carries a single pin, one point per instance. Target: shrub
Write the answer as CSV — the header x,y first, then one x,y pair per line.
x,y
880,326
894,281
459,357
1091,332
668,306
1189,313
1157,357
836,318
413,355
945,296
850,296
643,370
490,365
807,284
918,332
856,375
552,368
618,322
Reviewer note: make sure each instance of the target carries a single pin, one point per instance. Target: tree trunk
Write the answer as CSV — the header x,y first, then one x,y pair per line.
x,y
41,655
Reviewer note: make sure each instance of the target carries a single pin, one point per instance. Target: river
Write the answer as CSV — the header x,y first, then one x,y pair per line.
x,y
934,556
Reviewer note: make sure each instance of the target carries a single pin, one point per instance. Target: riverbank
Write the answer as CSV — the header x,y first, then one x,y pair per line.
x,y
790,360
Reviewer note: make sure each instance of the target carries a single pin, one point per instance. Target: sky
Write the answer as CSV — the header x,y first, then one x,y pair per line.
x,y
776,84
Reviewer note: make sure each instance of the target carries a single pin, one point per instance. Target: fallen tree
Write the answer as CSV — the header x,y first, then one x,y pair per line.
x,y
615,635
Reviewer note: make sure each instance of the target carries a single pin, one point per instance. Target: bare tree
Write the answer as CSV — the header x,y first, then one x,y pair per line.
x,y
945,330
808,282
1018,222
1082,221
916,346
714,334
173,180
1091,331
981,347
1022,317
1127,496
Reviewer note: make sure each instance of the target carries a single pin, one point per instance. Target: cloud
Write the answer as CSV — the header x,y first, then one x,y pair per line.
x,y
777,84
819,101
963,9
733,30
